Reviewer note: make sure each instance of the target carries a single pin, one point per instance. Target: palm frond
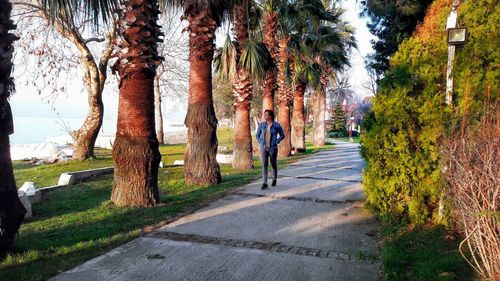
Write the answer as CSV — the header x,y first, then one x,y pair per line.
x,y
219,9
93,11
225,61
255,58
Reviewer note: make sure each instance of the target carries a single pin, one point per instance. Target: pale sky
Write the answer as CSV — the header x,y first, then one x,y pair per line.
x,y
27,103
357,73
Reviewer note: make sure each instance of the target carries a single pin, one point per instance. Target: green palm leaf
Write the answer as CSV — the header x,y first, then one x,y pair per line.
x,y
256,59
93,11
225,61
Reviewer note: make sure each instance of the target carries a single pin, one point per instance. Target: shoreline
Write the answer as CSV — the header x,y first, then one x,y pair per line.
x,y
61,147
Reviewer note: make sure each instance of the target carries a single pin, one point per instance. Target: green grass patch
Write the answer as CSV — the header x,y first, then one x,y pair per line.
x,y
48,174
74,224
422,254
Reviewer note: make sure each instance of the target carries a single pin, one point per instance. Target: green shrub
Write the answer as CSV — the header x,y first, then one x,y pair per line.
x,y
402,180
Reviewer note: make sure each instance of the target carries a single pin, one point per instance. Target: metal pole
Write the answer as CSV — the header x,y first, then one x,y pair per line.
x,y
451,23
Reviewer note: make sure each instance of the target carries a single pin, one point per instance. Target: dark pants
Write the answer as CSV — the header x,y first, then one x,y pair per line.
x,y
267,154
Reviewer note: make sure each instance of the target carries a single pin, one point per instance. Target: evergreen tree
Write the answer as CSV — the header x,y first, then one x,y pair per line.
x,y
338,118
392,21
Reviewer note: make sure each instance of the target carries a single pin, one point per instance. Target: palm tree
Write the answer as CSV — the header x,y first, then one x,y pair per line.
x,y
306,75
242,61
242,91
270,29
137,61
11,210
321,47
135,150
289,24
203,16
329,41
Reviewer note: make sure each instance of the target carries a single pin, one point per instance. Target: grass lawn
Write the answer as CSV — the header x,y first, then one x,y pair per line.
x,y
422,254
47,175
74,224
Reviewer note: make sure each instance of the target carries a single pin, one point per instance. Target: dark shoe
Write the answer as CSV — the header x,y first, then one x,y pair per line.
x,y
264,186
274,183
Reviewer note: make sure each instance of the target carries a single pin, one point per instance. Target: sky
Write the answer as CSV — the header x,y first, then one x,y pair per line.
x,y
26,102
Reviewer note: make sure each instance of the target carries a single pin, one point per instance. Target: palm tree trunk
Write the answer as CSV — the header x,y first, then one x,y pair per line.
x,y
269,39
298,121
268,90
285,147
243,152
135,150
284,99
11,209
158,114
200,164
242,90
319,117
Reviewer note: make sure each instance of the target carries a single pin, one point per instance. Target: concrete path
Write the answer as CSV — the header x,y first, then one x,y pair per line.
x,y
311,226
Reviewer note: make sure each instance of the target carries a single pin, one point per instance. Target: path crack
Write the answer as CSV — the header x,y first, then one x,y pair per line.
x,y
317,178
277,247
302,199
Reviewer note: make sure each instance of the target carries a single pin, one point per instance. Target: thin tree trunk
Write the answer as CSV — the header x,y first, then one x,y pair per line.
x,y
319,117
298,122
94,80
11,209
269,39
158,113
200,164
242,91
85,137
135,150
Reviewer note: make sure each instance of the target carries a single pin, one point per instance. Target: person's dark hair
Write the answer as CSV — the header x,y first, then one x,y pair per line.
x,y
271,113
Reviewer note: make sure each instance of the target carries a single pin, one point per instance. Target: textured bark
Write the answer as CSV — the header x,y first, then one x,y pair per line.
x,y
298,122
11,210
319,118
285,147
158,113
200,164
284,99
269,39
268,90
94,80
243,152
135,150
242,92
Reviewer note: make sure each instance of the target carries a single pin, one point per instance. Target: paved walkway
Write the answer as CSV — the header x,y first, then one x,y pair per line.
x,y
311,226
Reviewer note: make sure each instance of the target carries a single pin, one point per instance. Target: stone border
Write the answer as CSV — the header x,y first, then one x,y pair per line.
x,y
65,179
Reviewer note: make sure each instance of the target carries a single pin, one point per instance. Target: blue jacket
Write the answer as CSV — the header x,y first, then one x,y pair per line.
x,y
275,130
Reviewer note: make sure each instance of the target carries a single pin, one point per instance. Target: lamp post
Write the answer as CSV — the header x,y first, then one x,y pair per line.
x,y
455,36
351,120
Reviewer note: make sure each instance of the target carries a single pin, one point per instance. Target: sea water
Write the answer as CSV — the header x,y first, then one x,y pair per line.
x,y
31,130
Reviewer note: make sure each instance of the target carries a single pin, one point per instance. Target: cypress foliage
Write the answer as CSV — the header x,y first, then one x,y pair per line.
x,y
339,120
409,116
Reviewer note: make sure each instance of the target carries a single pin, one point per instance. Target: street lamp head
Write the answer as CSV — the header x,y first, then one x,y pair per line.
x,y
457,36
